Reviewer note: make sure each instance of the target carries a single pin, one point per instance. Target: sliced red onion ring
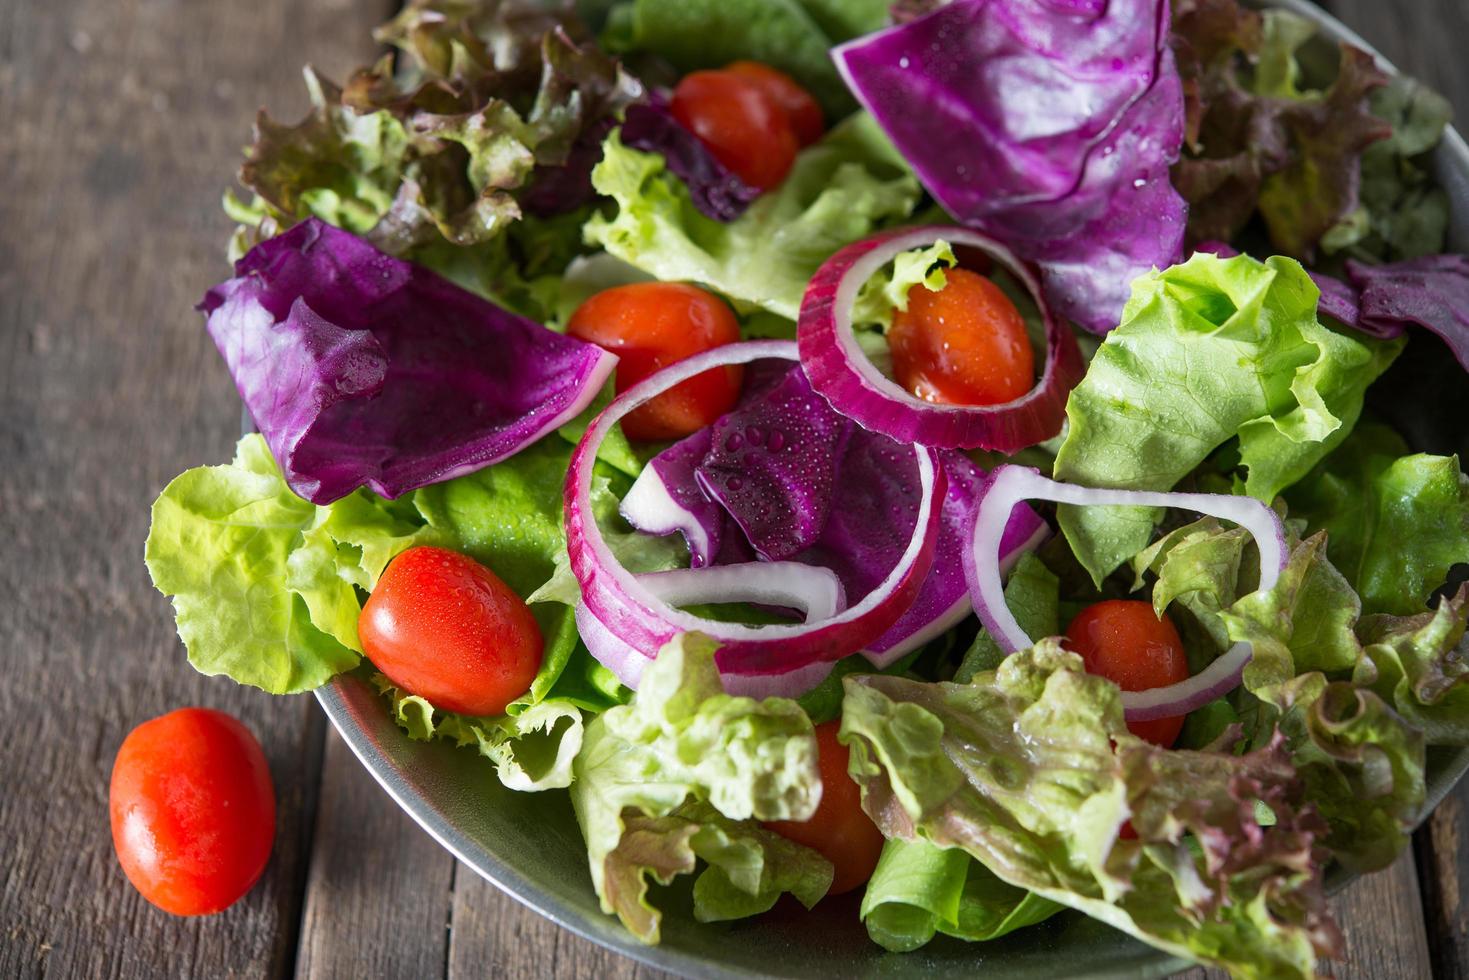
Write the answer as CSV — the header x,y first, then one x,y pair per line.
x,y
628,664
814,590
1011,485
856,388
638,619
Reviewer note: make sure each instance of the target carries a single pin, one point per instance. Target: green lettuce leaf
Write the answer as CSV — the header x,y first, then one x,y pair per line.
x,y
1361,764
1209,351
263,583
532,749
1418,664
1030,770
1033,593
1396,522
792,35
919,890
841,189
680,741
1257,140
1404,214
888,288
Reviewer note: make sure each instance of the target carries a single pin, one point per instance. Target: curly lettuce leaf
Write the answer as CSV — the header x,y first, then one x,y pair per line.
x,y
1396,522
1418,664
1031,770
1209,351
1361,763
888,288
1404,214
532,749
263,583
919,890
682,741
841,189
1257,140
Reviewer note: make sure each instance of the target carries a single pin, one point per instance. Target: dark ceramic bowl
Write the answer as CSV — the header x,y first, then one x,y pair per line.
x,y
529,845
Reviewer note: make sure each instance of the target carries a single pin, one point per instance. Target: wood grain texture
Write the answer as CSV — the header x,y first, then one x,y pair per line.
x,y
123,123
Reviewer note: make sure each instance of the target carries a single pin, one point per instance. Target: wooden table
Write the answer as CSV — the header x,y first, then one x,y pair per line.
x,y
120,124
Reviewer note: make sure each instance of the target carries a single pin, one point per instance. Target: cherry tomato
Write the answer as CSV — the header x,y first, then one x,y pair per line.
x,y
964,344
1123,641
650,325
800,108
444,627
193,810
741,122
840,830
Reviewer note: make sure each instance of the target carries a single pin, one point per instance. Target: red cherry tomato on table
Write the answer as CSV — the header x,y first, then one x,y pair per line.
x,y
964,344
1123,641
193,810
740,122
444,627
650,325
800,108
840,830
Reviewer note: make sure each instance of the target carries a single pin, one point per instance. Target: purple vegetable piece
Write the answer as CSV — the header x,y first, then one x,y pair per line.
x,y
715,189
1384,300
1048,124
826,492
361,369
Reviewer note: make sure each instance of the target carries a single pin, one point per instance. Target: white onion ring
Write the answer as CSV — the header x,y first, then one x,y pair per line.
x,y
639,620
856,388
813,589
1011,485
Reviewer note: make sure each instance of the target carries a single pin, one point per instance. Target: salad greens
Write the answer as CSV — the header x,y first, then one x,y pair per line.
x,y
847,186
1209,351
508,151
682,771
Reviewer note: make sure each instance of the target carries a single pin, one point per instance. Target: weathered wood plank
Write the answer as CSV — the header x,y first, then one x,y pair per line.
x,y
379,889
494,934
123,120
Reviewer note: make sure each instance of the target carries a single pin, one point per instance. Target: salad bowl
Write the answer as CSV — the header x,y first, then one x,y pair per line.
x,y
529,845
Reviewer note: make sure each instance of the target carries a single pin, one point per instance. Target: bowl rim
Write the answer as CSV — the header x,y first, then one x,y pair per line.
x,y
336,700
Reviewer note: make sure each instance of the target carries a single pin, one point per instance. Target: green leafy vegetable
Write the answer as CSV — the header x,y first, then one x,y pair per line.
x,y
1417,664
888,288
682,742
919,890
1031,771
1362,766
1033,595
1396,523
1209,351
1404,213
263,583
1255,139
532,750
792,35
840,190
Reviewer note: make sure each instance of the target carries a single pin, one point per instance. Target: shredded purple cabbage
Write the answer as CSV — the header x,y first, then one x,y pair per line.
x,y
361,369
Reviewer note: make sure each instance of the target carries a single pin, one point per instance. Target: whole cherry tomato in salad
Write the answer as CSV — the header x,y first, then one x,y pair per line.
x,y
650,325
1125,642
800,108
192,809
964,344
741,123
840,830
444,627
